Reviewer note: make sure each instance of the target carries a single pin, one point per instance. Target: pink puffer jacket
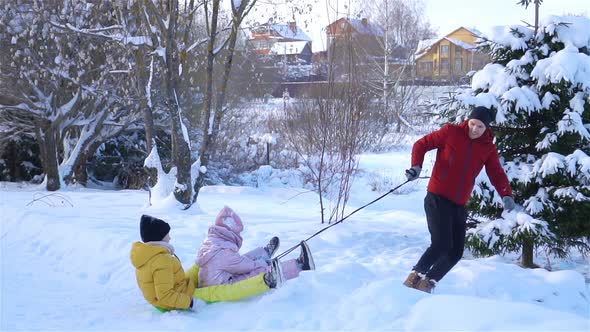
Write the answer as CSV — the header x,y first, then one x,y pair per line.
x,y
219,257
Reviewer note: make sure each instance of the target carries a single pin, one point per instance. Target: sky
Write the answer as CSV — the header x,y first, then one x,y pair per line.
x,y
445,16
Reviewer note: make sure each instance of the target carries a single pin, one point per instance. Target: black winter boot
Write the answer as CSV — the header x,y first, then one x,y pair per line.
x,y
305,259
272,246
270,279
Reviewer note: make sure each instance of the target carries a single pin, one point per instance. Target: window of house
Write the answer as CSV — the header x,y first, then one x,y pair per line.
x,y
458,64
435,64
458,51
426,66
444,49
260,43
444,64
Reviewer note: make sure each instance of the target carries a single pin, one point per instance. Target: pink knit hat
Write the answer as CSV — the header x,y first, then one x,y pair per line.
x,y
229,219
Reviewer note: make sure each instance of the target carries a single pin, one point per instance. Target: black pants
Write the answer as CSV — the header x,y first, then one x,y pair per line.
x,y
446,224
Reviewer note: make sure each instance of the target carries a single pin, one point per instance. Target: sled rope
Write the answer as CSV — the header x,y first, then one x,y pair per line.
x,y
341,220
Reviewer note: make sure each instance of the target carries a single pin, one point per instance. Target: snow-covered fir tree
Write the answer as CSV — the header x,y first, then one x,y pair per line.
x,y
539,86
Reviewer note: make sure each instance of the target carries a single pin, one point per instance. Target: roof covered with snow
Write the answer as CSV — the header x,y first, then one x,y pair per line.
x,y
368,28
424,45
361,26
282,30
473,30
460,43
285,31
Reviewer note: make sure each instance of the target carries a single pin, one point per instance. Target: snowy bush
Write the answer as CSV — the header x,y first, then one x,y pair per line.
x,y
19,159
120,161
327,134
266,176
249,139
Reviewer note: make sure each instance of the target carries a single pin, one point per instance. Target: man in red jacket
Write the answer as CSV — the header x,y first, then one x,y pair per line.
x,y
463,150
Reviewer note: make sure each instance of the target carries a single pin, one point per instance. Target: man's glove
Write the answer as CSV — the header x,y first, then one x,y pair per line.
x,y
413,173
509,204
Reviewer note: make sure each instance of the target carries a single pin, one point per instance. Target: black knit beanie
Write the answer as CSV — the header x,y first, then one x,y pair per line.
x,y
153,229
482,114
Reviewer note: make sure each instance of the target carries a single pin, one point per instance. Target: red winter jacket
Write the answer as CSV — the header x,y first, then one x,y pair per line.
x,y
459,160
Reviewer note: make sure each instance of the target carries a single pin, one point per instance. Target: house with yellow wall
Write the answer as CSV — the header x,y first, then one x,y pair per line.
x,y
451,57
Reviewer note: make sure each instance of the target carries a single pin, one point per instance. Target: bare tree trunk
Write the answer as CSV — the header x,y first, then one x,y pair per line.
x,y
141,85
206,125
181,151
386,61
48,147
536,16
143,92
222,89
80,166
321,178
182,160
527,254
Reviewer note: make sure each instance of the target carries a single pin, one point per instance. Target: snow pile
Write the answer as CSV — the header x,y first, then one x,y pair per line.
x,y
162,190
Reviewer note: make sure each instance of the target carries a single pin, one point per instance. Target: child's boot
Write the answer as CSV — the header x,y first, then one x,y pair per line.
x,y
305,259
274,278
272,246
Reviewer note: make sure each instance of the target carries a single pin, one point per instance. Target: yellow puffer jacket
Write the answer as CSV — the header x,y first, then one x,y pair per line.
x,y
160,276
164,283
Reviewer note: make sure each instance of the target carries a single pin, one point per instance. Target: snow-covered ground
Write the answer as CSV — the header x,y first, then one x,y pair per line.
x,y
65,265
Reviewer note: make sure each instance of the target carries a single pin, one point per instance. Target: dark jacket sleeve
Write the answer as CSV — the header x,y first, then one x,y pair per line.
x,y
497,175
429,142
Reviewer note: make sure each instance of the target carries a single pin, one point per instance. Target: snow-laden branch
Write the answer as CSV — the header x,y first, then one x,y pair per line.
x,y
119,38
148,87
197,43
67,108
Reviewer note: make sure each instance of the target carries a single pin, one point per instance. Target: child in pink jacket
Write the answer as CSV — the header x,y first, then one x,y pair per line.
x,y
221,263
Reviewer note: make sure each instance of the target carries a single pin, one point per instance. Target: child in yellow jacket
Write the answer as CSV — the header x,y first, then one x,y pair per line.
x,y
163,281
